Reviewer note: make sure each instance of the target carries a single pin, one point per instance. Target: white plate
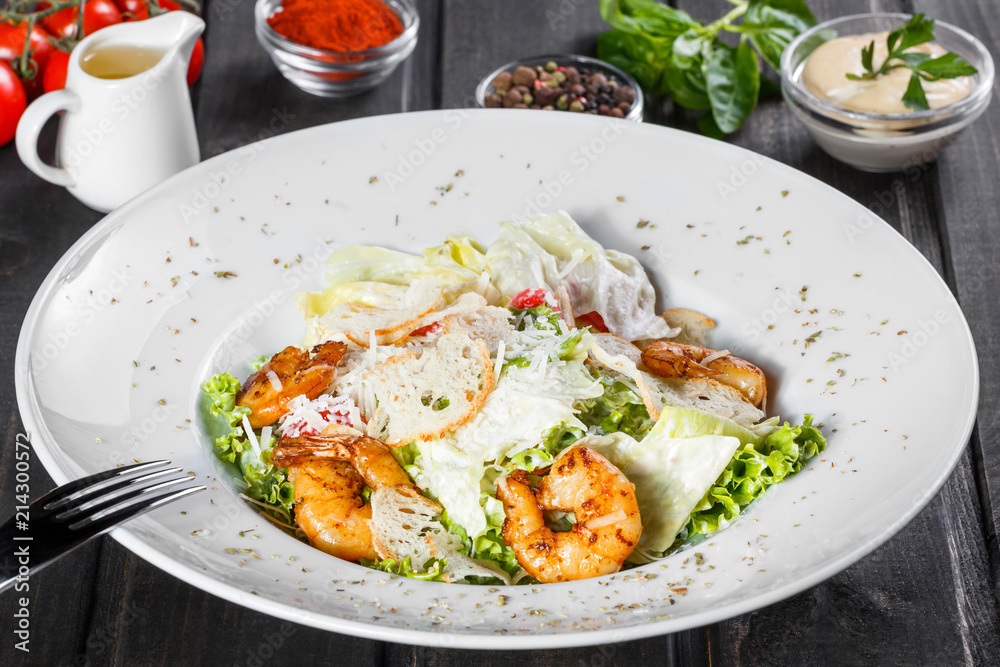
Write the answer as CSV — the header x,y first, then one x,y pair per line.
x,y
771,254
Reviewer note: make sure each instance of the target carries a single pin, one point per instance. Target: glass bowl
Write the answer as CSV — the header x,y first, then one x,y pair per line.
x,y
485,86
332,73
884,142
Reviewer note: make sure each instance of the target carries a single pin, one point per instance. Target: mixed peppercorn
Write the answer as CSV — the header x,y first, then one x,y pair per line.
x,y
564,88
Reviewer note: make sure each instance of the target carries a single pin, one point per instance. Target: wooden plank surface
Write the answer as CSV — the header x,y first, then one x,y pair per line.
x,y
926,597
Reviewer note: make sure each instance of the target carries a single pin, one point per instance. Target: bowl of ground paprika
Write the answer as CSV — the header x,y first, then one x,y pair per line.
x,y
337,48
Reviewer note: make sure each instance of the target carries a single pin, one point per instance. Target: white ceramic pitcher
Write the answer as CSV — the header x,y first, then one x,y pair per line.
x,y
119,137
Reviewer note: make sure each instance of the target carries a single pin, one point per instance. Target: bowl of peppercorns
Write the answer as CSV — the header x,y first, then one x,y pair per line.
x,y
562,83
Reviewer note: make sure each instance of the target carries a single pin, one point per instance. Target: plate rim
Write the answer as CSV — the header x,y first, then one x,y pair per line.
x,y
472,640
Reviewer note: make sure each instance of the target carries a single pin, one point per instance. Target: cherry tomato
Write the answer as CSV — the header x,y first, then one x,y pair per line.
x,y
432,328
54,77
12,44
593,319
197,60
532,298
138,10
12,102
97,14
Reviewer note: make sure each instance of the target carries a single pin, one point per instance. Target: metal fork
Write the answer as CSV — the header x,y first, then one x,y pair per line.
x,y
74,513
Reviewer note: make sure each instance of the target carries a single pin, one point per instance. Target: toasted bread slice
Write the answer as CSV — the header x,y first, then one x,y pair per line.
x,y
405,525
695,327
490,324
707,395
423,397
616,345
391,322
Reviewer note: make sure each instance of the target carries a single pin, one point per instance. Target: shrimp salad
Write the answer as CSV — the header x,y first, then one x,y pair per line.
x,y
517,413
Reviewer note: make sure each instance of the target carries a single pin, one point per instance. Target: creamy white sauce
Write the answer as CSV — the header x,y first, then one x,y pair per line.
x,y
824,75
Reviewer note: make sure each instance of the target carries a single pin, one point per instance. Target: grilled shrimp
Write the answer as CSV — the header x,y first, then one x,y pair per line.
x,y
678,360
607,524
329,471
290,373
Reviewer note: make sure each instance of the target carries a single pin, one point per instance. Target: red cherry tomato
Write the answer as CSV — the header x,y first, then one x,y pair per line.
x,y
431,328
12,103
12,44
532,298
593,319
97,14
54,77
138,10
197,60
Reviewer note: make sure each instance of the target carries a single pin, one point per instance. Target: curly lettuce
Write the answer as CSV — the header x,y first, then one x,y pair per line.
x,y
264,482
753,470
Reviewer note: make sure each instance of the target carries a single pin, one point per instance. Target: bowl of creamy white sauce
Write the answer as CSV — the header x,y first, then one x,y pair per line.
x,y
865,123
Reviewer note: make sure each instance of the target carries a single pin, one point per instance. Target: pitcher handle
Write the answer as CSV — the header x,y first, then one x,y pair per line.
x,y
30,126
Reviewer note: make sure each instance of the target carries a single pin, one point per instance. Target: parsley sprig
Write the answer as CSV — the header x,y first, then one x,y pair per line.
x,y
918,30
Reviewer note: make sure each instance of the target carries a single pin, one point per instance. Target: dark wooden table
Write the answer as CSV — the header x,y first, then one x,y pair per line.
x,y
928,596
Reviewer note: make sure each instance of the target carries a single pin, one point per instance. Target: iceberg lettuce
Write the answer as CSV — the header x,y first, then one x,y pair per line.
x,y
550,251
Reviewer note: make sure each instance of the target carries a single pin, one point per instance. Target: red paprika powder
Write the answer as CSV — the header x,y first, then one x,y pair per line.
x,y
337,25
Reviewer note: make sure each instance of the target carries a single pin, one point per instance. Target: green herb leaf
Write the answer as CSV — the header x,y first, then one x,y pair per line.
x,y
948,66
914,97
918,30
687,87
867,54
648,17
771,25
687,48
733,84
644,59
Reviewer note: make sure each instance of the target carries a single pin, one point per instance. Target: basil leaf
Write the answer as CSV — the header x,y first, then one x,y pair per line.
x,y
948,66
687,48
771,25
733,84
708,127
687,87
914,97
641,57
646,16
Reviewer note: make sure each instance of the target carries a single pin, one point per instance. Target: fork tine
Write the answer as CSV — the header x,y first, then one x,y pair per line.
x,y
125,491
85,485
108,490
139,503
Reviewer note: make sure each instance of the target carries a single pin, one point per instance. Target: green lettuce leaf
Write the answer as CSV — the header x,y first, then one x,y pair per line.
x,y
753,470
433,569
619,410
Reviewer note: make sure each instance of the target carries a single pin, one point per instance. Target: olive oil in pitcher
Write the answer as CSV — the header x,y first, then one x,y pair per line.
x,y
119,62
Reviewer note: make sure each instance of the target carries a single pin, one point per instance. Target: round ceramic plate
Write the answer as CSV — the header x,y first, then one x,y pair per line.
x,y
198,275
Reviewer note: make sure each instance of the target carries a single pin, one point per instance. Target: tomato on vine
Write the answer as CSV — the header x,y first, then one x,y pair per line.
x,y
97,14
54,77
12,102
138,10
12,40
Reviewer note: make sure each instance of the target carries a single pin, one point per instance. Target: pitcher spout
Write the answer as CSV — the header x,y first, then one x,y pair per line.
x,y
179,30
